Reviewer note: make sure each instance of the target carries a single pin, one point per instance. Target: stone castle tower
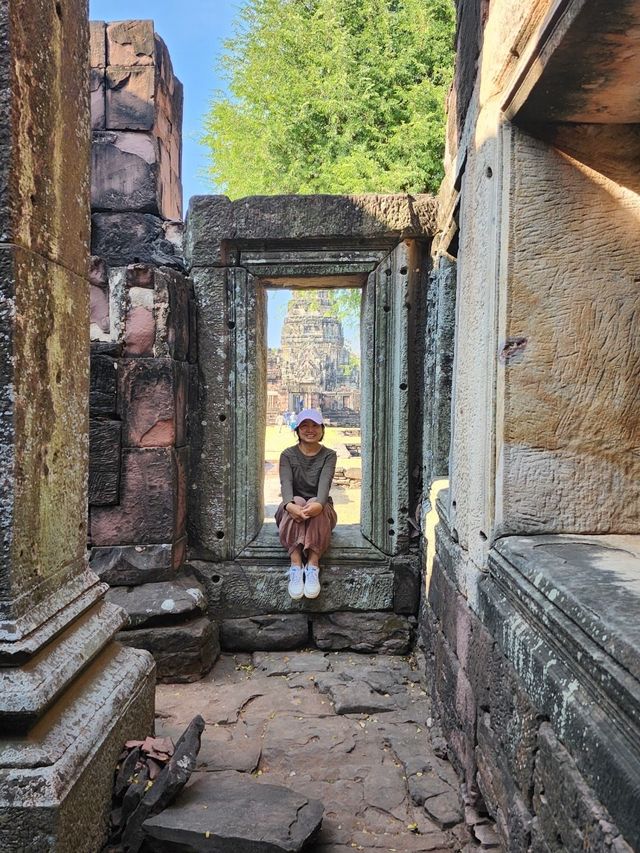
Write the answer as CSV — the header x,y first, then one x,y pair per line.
x,y
315,366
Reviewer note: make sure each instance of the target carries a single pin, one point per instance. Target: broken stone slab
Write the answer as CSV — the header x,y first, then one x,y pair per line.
x,y
444,809
274,664
130,43
240,815
363,632
182,653
129,565
169,783
265,633
160,603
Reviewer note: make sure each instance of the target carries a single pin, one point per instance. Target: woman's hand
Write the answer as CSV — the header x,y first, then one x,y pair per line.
x,y
295,511
312,510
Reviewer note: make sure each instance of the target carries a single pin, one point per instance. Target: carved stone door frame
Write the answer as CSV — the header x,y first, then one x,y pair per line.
x,y
378,243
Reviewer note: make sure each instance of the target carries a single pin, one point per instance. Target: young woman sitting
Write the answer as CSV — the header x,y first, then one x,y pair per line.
x,y
306,516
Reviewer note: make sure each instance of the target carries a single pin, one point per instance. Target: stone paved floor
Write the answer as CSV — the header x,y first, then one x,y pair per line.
x,y
351,730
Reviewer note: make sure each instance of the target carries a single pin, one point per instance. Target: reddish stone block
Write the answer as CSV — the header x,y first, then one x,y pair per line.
x,y
150,483
130,43
130,98
140,327
182,464
153,395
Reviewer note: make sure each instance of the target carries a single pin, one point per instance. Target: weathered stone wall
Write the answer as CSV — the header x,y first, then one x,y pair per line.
x,y
58,664
143,351
136,117
529,613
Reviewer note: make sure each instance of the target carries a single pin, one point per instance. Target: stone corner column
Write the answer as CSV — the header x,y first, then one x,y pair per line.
x,y
69,695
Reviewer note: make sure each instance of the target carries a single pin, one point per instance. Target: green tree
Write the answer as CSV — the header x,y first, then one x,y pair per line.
x,y
335,96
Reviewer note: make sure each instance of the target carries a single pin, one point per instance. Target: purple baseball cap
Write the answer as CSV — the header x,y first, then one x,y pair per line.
x,y
309,415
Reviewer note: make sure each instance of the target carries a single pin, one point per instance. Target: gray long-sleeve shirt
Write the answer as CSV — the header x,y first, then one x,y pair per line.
x,y
306,476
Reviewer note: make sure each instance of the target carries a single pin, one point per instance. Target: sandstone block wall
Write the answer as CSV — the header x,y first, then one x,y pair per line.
x,y
533,582
136,117
140,388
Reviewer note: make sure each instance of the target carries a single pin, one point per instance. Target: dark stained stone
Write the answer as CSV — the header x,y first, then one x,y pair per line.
x,y
126,238
406,585
124,172
240,815
104,461
103,384
159,603
182,653
127,565
265,633
362,632
172,311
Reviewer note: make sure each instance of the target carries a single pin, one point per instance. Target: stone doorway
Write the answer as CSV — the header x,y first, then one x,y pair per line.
x,y
374,243
313,361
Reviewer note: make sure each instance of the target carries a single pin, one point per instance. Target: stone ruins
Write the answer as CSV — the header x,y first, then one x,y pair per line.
x,y
500,401
313,368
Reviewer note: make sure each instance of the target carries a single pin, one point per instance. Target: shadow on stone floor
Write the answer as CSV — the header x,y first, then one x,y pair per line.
x,y
353,731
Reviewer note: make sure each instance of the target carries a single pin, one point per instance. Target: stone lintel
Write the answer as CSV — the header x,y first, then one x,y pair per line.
x,y
592,703
583,67
216,226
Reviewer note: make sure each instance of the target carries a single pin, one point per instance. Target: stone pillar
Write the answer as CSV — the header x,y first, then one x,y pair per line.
x,y
70,696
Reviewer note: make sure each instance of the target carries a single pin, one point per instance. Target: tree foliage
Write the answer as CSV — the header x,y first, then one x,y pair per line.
x,y
335,96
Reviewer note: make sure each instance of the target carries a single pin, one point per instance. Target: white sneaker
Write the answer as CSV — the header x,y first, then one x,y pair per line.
x,y
296,582
311,582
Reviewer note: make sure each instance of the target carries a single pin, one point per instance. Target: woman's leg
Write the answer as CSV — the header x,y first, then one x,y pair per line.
x,y
291,533
317,538
318,533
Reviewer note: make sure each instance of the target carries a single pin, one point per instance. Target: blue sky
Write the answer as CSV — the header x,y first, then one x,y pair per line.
x,y
194,31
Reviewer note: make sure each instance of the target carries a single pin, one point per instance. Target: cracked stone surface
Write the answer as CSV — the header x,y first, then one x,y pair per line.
x,y
349,730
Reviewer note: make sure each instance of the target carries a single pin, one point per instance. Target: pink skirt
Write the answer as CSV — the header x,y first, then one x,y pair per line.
x,y
314,534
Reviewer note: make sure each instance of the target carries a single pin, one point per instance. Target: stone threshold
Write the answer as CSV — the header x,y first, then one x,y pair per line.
x,y
348,545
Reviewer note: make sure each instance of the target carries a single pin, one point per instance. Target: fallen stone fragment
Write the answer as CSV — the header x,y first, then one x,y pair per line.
x,y
228,813
444,809
274,664
166,787
127,769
